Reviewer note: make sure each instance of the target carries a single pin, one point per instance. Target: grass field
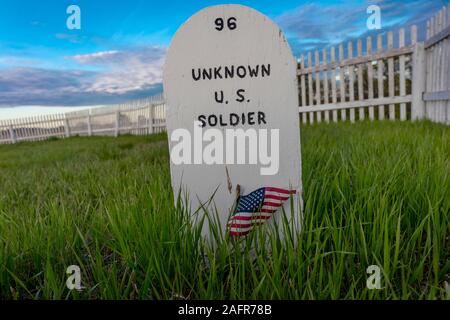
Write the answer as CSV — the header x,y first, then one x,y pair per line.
x,y
375,194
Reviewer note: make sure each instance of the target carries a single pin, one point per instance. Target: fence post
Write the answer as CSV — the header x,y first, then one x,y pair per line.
x,y
12,134
418,82
150,118
89,124
116,131
66,127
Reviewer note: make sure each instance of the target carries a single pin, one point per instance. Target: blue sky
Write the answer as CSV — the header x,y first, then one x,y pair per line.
x,y
119,52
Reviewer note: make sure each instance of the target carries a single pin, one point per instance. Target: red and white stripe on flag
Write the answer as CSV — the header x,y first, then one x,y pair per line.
x,y
256,208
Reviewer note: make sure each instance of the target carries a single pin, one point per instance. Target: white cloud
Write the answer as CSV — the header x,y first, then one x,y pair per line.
x,y
318,25
118,75
126,70
93,57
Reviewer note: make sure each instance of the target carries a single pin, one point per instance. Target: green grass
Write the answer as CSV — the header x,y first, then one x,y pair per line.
x,y
375,194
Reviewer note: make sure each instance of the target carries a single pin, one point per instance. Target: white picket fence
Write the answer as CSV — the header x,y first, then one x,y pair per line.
x,y
437,82
409,80
138,117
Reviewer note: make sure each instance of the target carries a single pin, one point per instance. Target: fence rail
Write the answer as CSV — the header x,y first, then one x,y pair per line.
x,y
381,80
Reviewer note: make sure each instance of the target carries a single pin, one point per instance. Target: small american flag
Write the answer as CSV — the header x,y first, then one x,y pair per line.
x,y
255,209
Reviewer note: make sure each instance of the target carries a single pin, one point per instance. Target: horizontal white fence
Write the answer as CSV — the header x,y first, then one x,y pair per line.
x,y
138,117
396,80
358,87
405,80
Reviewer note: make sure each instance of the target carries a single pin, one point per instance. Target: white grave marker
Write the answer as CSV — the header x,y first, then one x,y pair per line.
x,y
230,86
